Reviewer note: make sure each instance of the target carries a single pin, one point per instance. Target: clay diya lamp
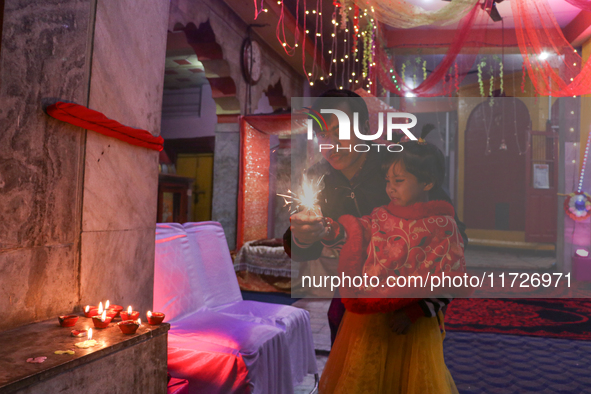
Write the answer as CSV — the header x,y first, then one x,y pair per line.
x,y
101,321
90,311
128,327
116,308
68,320
155,318
79,333
130,314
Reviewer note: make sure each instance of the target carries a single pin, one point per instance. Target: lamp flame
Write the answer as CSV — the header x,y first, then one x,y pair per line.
x,y
87,308
149,314
104,316
100,310
139,321
89,334
107,305
129,310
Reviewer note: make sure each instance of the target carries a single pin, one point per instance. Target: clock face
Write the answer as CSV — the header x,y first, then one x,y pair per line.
x,y
251,61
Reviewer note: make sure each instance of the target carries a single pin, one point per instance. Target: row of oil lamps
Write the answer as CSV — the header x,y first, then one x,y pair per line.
x,y
102,317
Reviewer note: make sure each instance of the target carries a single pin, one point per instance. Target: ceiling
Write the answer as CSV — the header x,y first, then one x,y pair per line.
x,y
564,12
185,70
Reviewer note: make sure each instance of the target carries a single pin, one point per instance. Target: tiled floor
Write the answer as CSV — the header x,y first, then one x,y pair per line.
x,y
321,334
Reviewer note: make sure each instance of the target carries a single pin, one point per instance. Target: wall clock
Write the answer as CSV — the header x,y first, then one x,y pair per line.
x,y
251,61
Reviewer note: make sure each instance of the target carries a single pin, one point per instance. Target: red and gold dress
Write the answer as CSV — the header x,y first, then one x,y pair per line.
x,y
367,357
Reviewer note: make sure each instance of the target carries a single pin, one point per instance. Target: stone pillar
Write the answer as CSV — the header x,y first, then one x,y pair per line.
x,y
78,209
121,180
226,165
44,54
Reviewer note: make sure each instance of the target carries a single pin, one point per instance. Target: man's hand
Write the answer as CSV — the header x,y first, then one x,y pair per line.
x,y
307,227
400,323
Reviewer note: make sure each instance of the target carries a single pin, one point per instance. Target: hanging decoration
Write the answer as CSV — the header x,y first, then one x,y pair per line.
x,y
584,5
434,84
578,206
480,82
523,72
501,76
364,28
545,49
404,15
491,85
342,4
403,73
585,156
457,79
355,29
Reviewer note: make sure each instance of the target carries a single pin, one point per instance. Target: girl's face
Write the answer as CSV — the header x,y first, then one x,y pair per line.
x,y
403,188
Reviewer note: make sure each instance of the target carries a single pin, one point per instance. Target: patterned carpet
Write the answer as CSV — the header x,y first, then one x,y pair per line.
x,y
556,318
490,363
483,363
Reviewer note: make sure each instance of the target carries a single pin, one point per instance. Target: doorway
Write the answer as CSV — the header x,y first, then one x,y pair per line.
x,y
198,166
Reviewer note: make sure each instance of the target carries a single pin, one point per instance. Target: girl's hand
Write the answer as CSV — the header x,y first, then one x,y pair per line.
x,y
400,323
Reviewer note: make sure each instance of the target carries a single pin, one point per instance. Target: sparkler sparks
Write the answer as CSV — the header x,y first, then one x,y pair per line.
x,y
307,199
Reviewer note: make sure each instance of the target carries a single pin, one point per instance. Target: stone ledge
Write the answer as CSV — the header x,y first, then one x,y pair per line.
x,y
44,338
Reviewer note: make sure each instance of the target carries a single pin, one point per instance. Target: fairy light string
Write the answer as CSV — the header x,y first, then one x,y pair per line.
x,y
582,176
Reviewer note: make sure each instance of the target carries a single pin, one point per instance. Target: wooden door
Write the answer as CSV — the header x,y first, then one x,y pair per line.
x,y
542,187
198,166
494,180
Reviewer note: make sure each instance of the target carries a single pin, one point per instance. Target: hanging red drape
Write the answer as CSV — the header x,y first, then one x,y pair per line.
x,y
450,71
551,62
585,5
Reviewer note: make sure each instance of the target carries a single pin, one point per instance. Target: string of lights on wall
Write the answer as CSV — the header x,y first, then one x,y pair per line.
x,y
352,44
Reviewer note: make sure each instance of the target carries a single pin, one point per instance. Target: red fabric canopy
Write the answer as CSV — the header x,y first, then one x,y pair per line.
x,y
89,119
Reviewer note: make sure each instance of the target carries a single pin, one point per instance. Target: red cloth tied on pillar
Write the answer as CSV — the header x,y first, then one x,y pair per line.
x,y
89,119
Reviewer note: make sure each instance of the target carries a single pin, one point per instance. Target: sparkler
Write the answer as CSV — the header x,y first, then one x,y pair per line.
x,y
306,200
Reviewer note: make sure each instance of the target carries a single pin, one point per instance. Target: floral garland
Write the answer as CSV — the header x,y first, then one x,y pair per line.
x,y
501,75
578,205
491,87
402,70
480,82
343,13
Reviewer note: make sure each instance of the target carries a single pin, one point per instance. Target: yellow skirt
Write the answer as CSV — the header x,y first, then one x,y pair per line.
x,y
367,357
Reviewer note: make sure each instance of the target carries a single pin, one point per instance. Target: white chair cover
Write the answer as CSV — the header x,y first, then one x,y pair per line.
x,y
215,261
181,289
176,289
263,348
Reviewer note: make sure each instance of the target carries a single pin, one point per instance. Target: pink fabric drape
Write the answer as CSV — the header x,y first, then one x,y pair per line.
x,y
450,72
551,62
585,5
